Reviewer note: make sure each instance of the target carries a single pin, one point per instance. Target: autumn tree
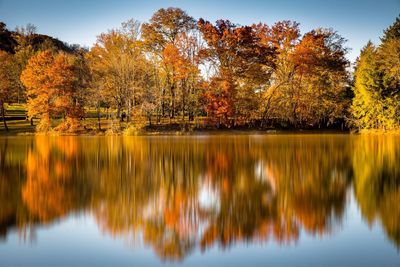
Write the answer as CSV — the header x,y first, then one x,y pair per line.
x,y
150,98
163,36
53,89
27,42
38,91
322,79
284,36
165,26
70,81
179,72
309,84
117,63
24,50
7,83
242,61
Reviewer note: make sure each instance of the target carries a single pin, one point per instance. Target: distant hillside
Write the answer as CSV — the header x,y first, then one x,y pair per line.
x,y
8,42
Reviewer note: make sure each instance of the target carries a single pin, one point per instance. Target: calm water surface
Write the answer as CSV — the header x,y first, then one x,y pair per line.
x,y
222,200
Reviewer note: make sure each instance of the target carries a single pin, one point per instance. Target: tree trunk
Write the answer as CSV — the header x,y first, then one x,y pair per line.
x,y
149,117
172,102
183,106
172,105
119,112
98,117
163,103
3,114
128,118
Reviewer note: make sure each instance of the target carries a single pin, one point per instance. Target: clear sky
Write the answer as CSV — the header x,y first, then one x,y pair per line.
x,y
80,21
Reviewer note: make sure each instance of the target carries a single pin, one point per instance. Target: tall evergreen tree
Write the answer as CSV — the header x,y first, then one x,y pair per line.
x,y
393,32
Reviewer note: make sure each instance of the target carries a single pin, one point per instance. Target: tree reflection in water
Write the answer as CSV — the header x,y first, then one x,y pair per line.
x,y
183,193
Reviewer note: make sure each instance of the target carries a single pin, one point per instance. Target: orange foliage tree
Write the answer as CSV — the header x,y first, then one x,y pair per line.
x,y
179,71
7,84
53,89
242,61
309,85
169,37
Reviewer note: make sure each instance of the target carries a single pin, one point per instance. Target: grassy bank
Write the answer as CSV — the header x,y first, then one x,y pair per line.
x,y
112,127
18,125
379,131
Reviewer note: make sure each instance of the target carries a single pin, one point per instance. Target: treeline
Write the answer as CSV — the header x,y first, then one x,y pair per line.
x,y
176,69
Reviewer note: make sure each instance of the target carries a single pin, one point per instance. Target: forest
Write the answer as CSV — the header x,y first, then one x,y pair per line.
x,y
177,72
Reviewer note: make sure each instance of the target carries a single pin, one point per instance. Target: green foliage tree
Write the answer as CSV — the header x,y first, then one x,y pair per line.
x,y
377,83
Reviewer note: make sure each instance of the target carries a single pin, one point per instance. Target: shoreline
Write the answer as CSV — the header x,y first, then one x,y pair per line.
x,y
194,132
176,131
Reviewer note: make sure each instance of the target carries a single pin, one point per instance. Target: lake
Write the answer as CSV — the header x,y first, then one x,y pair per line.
x,y
205,200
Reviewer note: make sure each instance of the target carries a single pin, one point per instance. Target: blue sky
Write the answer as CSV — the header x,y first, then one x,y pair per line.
x,y
80,21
